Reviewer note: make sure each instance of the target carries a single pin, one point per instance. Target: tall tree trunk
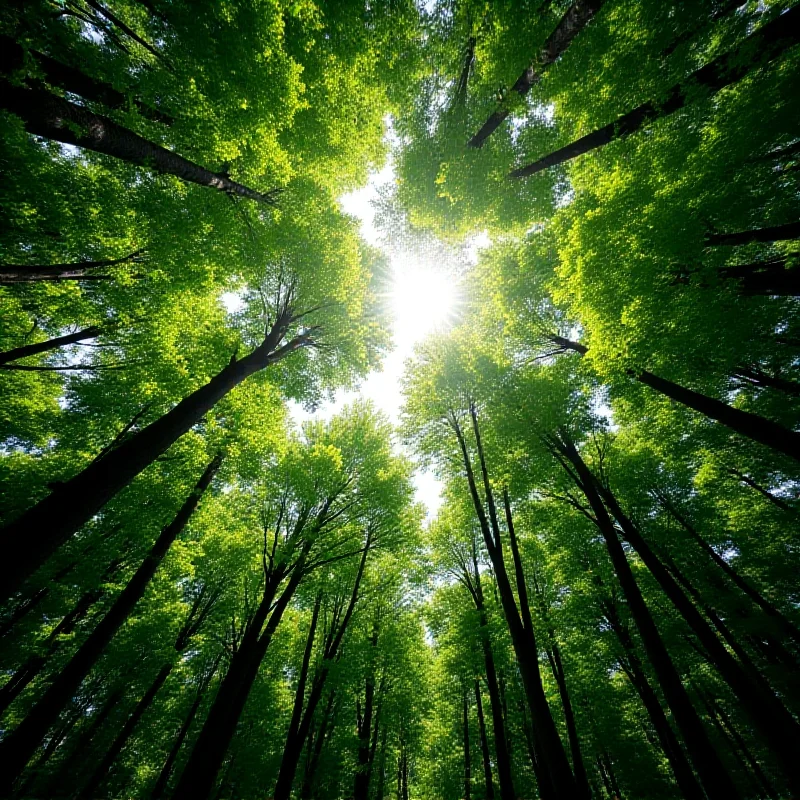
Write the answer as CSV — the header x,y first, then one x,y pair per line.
x,y
70,767
575,19
12,57
487,758
713,775
753,426
17,747
681,769
555,776
765,493
776,277
23,273
208,754
380,790
298,735
783,622
467,753
160,787
777,233
766,710
50,344
325,726
364,730
758,49
38,532
45,114
103,768
23,676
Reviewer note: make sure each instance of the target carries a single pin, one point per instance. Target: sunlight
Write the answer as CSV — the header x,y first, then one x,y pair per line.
x,y
423,299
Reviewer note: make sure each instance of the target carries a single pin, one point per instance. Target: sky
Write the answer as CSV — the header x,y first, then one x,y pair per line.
x,y
423,297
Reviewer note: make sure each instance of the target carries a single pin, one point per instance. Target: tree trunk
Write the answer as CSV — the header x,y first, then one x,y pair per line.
x,y
776,277
12,57
297,736
576,18
758,49
38,532
50,344
556,780
681,769
325,725
748,481
467,753
23,273
713,775
765,605
17,747
487,758
160,788
101,771
53,117
364,730
777,233
208,754
768,713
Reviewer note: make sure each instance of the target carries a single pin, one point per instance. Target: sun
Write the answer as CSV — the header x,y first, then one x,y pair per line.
x,y
423,299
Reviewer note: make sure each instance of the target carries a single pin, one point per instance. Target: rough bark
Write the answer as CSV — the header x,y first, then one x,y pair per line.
x,y
38,532
53,117
712,773
575,19
758,49
17,747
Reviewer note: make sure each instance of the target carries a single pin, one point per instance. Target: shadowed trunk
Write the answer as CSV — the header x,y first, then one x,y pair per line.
x,y
758,49
53,117
315,744
17,747
50,344
23,273
753,426
486,755
761,379
765,709
576,18
777,233
38,532
713,775
776,277
467,753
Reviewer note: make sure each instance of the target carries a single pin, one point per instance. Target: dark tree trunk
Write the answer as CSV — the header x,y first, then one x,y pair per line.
x,y
777,233
315,747
681,769
17,747
38,532
53,117
298,735
776,277
467,753
753,426
725,9
775,723
22,609
487,758
23,676
70,766
576,18
758,49
103,768
12,57
23,273
160,788
763,380
555,775
364,731
748,481
208,754
713,775
50,344
765,605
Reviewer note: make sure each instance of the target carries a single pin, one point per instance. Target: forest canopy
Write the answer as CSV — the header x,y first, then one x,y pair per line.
x,y
274,274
